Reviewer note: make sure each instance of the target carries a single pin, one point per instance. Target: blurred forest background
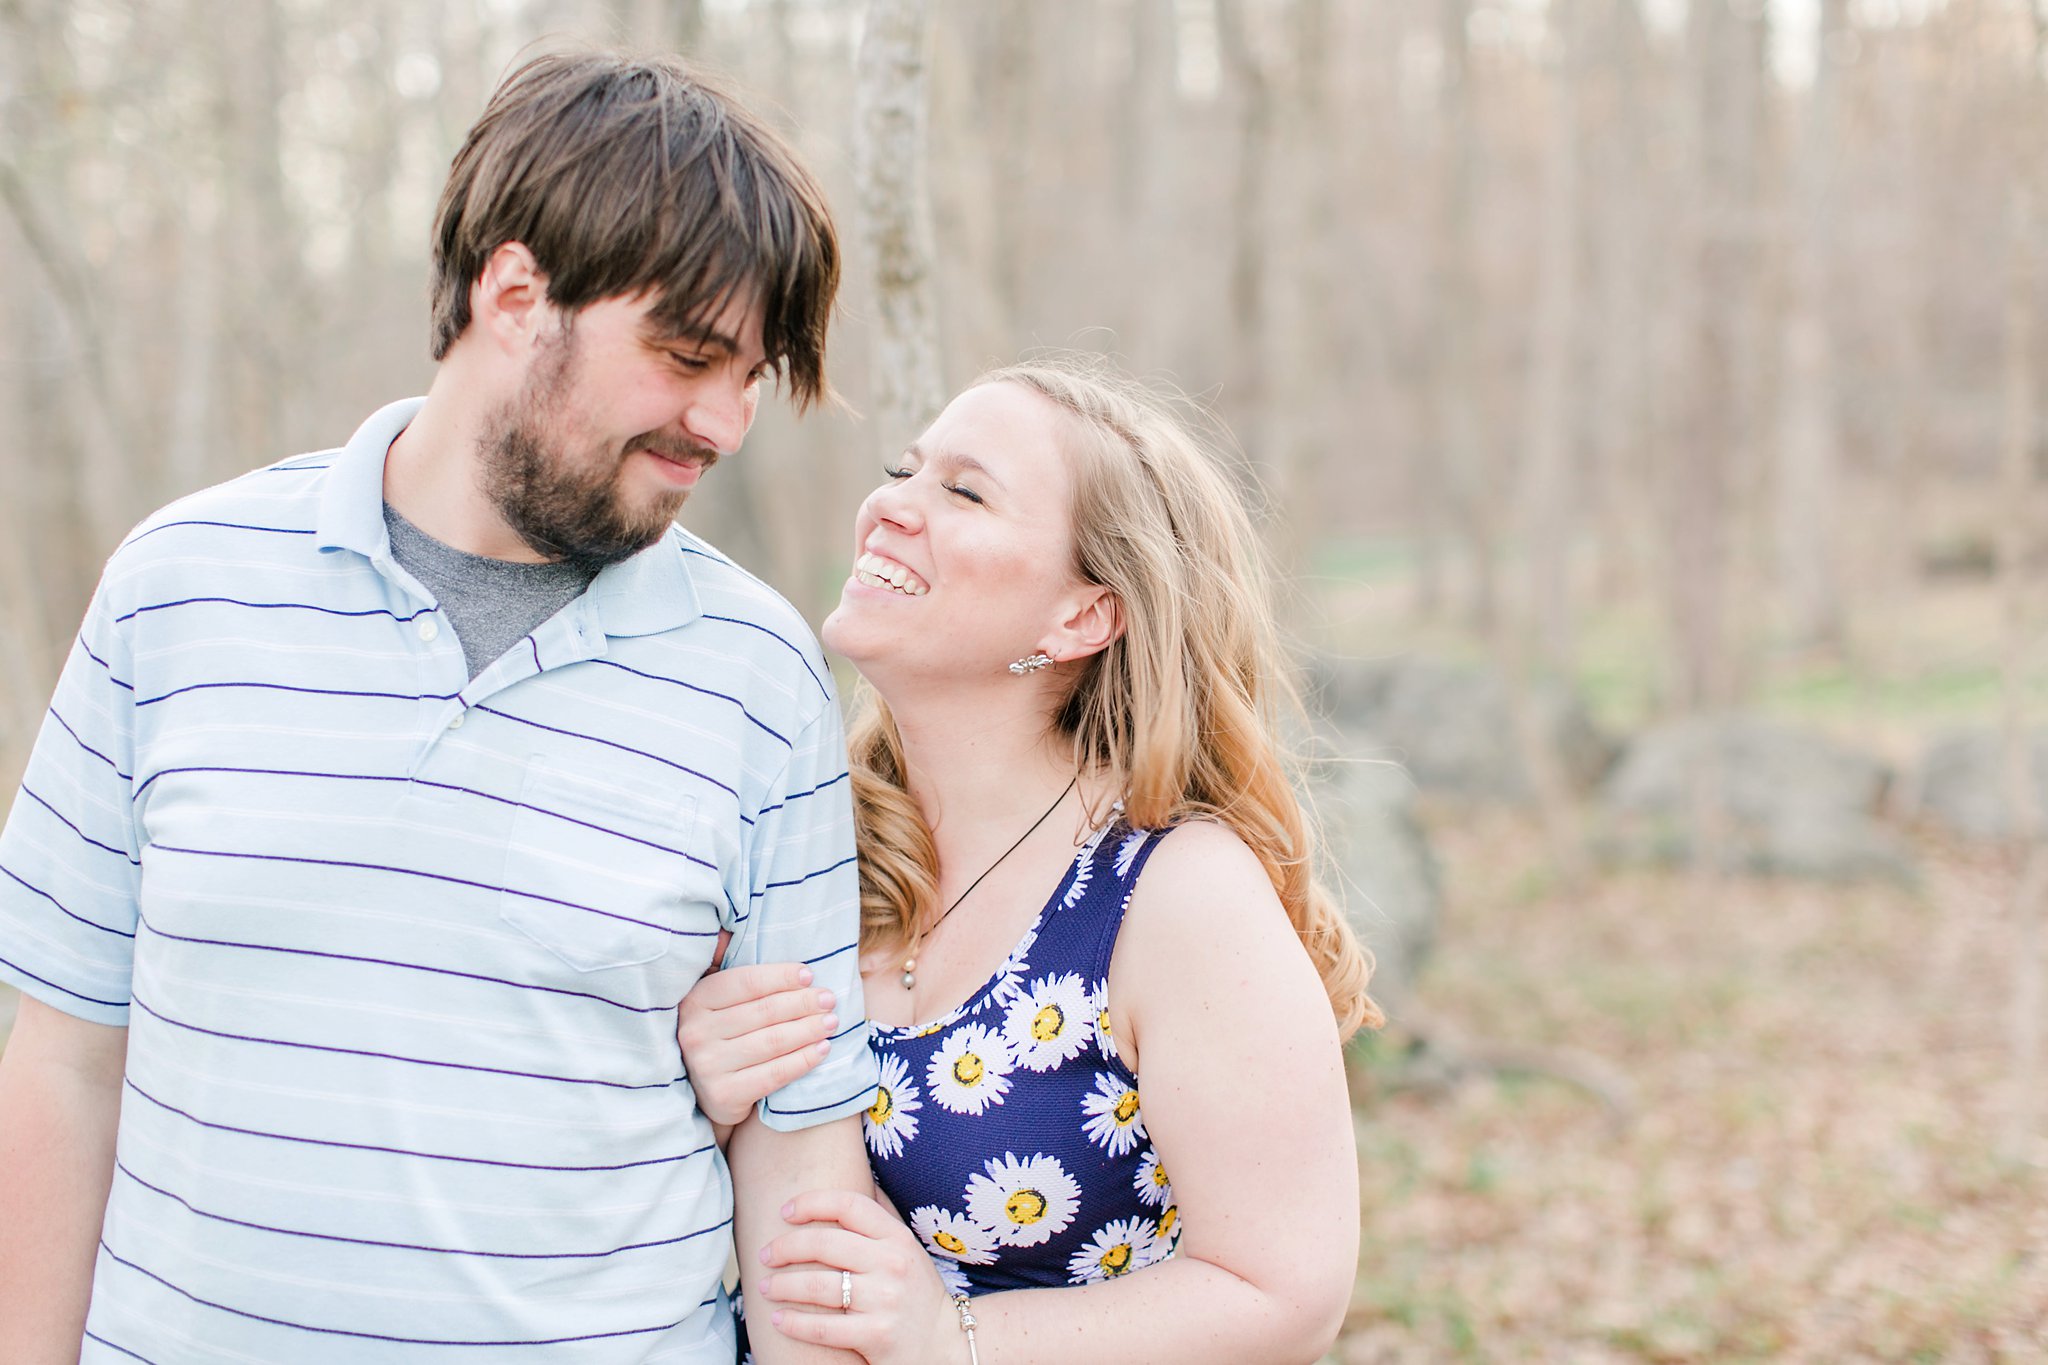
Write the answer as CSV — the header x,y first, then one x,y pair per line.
x,y
1646,399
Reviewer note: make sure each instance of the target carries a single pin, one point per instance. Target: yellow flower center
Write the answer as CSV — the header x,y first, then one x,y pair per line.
x,y
1159,1181
949,1242
1047,1023
1126,1108
883,1107
1025,1207
1117,1259
967,1069
1168,1219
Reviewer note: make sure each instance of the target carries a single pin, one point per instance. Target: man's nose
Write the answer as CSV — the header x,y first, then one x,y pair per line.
x,y
719,415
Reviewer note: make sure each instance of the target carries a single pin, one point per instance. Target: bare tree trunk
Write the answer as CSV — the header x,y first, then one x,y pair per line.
x,y
891,102
2015,541
1532,636
1450,481
1809,483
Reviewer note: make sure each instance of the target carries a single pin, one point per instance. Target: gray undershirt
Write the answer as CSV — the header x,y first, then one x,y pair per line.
x,y
492,604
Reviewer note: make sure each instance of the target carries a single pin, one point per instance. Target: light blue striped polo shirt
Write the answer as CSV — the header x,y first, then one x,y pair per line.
x,y
399,951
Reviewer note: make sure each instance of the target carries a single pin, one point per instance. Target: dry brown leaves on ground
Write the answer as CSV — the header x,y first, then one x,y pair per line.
x,y
1824,1087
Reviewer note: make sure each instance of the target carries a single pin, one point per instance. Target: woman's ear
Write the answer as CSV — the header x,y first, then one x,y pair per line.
x,y
1095,622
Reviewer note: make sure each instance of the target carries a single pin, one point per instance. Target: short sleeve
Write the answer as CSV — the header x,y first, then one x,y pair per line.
x,y
804,906
70,862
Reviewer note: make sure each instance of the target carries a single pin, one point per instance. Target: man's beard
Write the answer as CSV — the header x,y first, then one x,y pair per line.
x,y
566,505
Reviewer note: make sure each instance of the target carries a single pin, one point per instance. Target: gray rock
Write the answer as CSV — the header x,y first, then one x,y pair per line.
x,y
1449,725
1384,869
1790,801
1961,780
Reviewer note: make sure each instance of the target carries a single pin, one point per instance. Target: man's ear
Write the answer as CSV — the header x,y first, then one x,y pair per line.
x,y
1096,621
508,301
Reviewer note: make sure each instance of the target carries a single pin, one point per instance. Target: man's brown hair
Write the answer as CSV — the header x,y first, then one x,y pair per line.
x,y
628,174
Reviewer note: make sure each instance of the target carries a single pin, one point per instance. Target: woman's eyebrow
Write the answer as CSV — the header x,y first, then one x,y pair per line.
x,y
954,462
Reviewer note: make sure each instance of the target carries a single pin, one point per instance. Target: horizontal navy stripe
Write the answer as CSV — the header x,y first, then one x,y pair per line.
x,y
229,525
437,786
397,1057
706,691
821,1108
405,966
808,876
614,744
121,853
269,606
800,656
404,1151
294,468
60,986
194,1209
122,1349
827,957
124,686
432,876
125,777
31,886
798,796
309,691
119,1259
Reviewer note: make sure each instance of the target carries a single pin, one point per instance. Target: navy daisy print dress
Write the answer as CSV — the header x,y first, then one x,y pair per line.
x,y
1009,1133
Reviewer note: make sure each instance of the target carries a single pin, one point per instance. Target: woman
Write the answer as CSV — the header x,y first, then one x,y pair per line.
x,y
1058,604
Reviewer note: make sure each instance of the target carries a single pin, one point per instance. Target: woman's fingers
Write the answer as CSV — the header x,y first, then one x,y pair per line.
x,y
820,1289
739,986
845,1331
856,1212
825,1244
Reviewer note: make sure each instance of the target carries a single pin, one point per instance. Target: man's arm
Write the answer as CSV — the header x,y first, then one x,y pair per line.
x,y
768,1169
60,1099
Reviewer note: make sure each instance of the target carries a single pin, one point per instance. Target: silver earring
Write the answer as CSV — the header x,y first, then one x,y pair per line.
x,y
1030,664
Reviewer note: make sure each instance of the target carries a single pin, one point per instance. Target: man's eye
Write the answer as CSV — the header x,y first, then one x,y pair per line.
x,y
692,363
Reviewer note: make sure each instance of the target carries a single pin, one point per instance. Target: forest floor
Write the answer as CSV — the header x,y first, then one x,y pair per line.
x,y
1823,1086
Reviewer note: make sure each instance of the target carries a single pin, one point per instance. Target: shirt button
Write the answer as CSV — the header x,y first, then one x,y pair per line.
x,y
428,628
456,724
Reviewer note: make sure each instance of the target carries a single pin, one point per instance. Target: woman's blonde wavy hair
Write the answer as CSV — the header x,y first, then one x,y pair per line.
x,y
1180,714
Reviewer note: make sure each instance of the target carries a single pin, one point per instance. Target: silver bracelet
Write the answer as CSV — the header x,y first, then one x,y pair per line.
x,y
967,1325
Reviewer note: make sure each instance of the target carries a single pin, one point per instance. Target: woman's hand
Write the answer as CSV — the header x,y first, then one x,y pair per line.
x,y
748,1031
901,1312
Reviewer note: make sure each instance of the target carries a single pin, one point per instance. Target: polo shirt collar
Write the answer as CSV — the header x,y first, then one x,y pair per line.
x,y
649,593
644,595
352,506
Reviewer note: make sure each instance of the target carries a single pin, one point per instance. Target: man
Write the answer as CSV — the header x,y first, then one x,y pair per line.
x,y
393,796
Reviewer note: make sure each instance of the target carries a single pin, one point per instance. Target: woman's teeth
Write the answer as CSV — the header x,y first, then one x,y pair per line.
x,y
877,572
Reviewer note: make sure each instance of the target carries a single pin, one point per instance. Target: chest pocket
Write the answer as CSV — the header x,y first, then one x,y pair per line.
x,y
596,874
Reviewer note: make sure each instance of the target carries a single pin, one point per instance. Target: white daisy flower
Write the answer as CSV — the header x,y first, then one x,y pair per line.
x,y
1098,1005
1025,1202
891,1120
952,1236
1114,1119
1117,1249
1150,1182
1166,1232
1084,869
970,1071
1049,1022
952,1276
1009,977
1128,852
